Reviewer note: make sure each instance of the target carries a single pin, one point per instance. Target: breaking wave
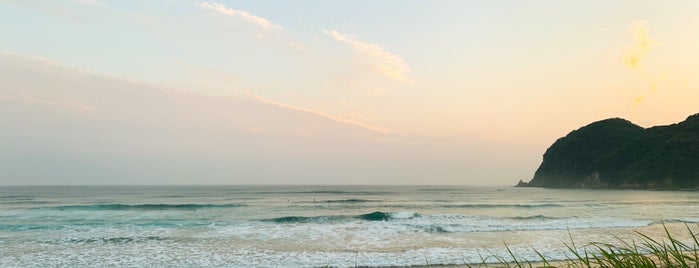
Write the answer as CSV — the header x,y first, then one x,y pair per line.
x,y
373,216
110,240
534,217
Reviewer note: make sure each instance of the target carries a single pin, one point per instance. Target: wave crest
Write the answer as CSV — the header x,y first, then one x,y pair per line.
x,y
522,206
144,207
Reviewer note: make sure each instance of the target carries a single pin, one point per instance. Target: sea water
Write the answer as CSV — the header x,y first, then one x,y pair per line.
x,y
312,226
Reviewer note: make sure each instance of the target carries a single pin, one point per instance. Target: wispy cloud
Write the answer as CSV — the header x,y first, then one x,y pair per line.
x,y
61,103
321,114
43,65
48,102
95,3
641,47
383,62
52,66
247,16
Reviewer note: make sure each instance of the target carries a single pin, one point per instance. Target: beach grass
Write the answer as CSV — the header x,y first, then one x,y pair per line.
x,y
646,252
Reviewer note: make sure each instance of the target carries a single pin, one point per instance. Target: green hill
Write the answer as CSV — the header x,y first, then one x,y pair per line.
x,y
617,154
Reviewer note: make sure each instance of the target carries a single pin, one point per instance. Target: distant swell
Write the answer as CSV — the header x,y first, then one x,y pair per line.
x,y
21,202
353,200
325,192
523,206
145,207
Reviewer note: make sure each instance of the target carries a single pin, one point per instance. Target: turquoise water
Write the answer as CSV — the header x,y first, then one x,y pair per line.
x,y
311,226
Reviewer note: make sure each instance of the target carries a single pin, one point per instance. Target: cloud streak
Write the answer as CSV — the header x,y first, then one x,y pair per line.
x,y
383,62
321,114
95,3
642,45
48,102
44,65
247,16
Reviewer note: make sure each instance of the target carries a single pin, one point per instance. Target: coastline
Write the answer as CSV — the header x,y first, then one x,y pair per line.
x,y
272,226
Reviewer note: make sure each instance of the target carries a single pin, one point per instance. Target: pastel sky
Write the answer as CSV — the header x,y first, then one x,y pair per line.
x,y
327,92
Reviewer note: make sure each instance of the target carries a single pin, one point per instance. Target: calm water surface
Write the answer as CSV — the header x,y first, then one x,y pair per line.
x,y
311,226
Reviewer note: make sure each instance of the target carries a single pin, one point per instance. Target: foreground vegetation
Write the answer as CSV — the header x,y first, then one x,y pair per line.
x,y
648,252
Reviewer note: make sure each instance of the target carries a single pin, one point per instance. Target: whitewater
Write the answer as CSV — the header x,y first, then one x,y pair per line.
x,y
318,226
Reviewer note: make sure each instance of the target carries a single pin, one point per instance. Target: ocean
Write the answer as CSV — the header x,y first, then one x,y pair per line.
x,y
318,226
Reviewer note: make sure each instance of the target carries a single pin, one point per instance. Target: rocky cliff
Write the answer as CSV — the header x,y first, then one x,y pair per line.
x,y
615,153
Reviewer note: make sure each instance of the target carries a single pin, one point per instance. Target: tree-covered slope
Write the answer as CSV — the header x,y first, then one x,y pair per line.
x,y
615,153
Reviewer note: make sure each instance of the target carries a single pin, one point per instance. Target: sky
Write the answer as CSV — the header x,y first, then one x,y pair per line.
x,y
327,92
